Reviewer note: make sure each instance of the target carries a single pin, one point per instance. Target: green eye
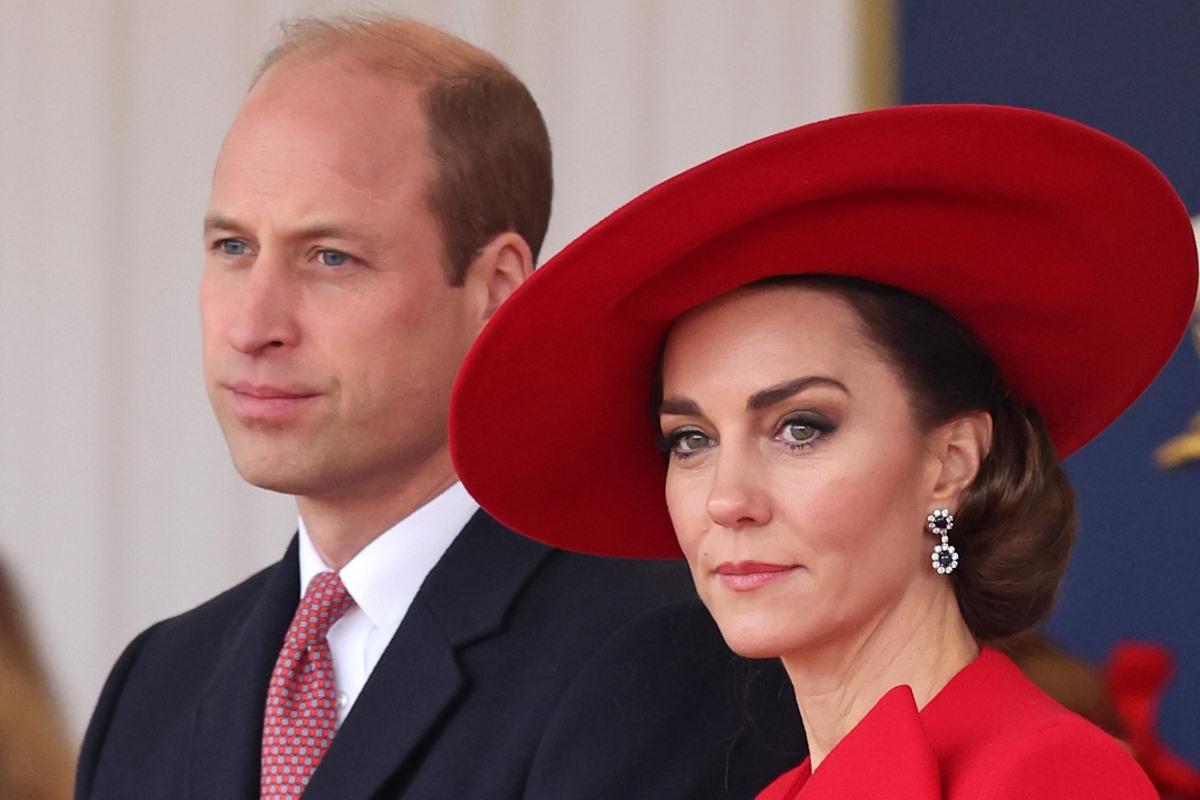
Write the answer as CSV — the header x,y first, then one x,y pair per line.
x,y
799,432
804,429
691,441
685,442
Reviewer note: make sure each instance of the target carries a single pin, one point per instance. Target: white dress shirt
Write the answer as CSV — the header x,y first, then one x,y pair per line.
x,y
383,579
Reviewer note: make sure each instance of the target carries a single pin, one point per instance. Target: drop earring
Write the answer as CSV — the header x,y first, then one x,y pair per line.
x,y
945,557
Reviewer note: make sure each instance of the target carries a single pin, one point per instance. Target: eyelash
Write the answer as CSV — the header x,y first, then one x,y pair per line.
x,y
821,425
669,443
219,246
346,257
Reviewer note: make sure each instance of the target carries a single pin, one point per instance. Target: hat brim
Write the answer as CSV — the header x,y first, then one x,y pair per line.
x,y
1064,250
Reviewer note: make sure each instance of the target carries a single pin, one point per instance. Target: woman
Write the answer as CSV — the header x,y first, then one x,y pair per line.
x,y
861,346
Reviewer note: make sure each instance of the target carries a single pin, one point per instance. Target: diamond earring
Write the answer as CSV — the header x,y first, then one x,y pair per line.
x,y
944,558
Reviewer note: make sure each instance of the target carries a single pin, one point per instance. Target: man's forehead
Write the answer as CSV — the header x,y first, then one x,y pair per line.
x,y
312,118
332,86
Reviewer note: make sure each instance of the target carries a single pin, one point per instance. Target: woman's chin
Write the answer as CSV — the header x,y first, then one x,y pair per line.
x,y
750,641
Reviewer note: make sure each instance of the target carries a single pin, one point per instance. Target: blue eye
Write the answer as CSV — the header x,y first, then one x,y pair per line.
x,y
333,258
233,247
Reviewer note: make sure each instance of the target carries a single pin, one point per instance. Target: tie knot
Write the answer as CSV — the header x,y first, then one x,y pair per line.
x,y
324,603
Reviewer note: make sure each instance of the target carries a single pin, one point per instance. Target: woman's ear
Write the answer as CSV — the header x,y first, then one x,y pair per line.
x,y
961,445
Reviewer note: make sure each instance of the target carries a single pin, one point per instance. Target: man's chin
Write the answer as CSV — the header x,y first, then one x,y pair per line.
x,y
274,475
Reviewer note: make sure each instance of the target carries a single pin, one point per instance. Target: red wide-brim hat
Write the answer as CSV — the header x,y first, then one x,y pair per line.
x,y
1064,250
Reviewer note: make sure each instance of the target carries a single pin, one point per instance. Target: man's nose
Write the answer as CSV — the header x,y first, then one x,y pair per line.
x,y
267,305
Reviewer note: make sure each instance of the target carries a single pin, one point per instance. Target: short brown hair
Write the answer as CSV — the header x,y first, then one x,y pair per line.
x,y
1017,522
486,133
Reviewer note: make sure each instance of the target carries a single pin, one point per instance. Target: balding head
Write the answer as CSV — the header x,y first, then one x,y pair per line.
x,y
488,139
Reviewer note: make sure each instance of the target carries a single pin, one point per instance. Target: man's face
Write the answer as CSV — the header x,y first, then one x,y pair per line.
x,y
331,337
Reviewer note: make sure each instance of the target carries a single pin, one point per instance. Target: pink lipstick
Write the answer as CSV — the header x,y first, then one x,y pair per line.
x,y
746,576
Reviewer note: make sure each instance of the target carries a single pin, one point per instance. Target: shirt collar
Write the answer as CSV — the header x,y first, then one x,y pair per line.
x,y
383,578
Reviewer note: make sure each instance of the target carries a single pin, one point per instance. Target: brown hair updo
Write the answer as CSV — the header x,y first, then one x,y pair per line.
x,y
1016,524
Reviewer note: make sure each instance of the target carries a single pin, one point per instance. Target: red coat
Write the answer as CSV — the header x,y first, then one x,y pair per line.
x,y
989,734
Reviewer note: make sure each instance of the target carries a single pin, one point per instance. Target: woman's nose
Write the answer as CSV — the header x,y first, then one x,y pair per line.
x,y
738,497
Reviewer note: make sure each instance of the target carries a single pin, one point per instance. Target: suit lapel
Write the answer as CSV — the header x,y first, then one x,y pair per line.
x,y
227,734
465,598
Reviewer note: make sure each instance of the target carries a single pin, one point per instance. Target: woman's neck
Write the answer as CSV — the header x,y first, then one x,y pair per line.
x,y
838,682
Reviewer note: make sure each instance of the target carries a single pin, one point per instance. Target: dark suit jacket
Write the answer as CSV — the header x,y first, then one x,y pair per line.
x,y
519,671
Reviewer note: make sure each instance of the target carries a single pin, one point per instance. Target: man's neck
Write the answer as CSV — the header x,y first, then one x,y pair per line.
x,y
342,525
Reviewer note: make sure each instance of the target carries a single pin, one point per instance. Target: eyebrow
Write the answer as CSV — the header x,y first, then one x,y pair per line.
x,y
217,222
759,400
781,391
330,231
683,408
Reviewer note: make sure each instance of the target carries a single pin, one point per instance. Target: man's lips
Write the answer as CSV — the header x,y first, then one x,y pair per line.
x,y
257,401
746,576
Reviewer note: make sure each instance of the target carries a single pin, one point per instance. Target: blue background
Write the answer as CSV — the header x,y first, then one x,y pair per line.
x,y
1131,70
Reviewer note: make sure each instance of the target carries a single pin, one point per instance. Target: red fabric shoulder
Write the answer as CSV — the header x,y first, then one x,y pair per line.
x,y
1072,760
990,734
886,755
997,735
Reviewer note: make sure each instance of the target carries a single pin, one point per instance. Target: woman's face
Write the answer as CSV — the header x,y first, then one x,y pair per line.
x,y
798,479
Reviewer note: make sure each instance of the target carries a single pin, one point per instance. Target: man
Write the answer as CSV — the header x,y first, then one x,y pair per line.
x,y
383,188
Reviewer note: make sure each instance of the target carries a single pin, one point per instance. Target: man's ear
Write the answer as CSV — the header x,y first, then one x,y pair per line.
x,y
961,445
503,264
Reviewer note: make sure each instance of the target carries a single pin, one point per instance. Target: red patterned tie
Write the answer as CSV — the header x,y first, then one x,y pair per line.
x,y
301,714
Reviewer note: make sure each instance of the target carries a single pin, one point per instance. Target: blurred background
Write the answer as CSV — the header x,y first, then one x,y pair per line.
x,y
118,503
